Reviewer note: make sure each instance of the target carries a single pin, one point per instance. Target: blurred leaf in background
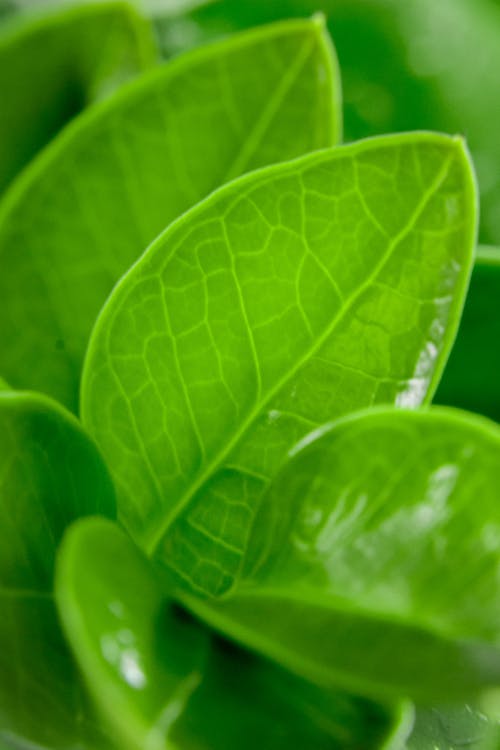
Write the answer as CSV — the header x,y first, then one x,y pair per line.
x,y
54,64
471,377
405,65
417,64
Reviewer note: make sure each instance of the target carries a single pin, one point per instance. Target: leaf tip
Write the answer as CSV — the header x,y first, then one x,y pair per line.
x,y
319,21
468,166
460,143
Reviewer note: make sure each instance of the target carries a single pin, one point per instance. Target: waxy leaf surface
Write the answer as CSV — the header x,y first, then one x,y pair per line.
x,y
290,297
50,474
454,729
471,379
95,199
163,681
52,67
373,559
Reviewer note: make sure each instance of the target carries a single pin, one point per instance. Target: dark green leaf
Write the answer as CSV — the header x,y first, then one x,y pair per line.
x,y
50,474
52,67
471,378
93,201
163,681
373,560
292,296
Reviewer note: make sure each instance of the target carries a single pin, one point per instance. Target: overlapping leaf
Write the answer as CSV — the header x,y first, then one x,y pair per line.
x,y
405,66
373,560
50,474
471,379
52,67
292,296
164,682
91,203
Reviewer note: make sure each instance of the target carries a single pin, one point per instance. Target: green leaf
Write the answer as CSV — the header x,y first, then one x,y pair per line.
x,y
471,377
163,681
50,474
53,66
405,66
91,203
292,296
373,560
454,729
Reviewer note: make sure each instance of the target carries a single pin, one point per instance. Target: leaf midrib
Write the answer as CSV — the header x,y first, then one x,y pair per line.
x,y
72,359
155,539
134,91
262,124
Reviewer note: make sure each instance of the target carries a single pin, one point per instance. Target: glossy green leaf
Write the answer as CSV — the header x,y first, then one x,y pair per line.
x,y
292,296
163,681
92,202
454,729
52,67
471,378
406,65
50,474
373,560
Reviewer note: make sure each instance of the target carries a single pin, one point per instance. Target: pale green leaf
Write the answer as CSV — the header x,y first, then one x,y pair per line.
x,y
290,297
373,560
163,681
91,203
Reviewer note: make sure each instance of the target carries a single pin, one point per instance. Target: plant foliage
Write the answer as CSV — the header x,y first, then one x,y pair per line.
x,y
230,516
